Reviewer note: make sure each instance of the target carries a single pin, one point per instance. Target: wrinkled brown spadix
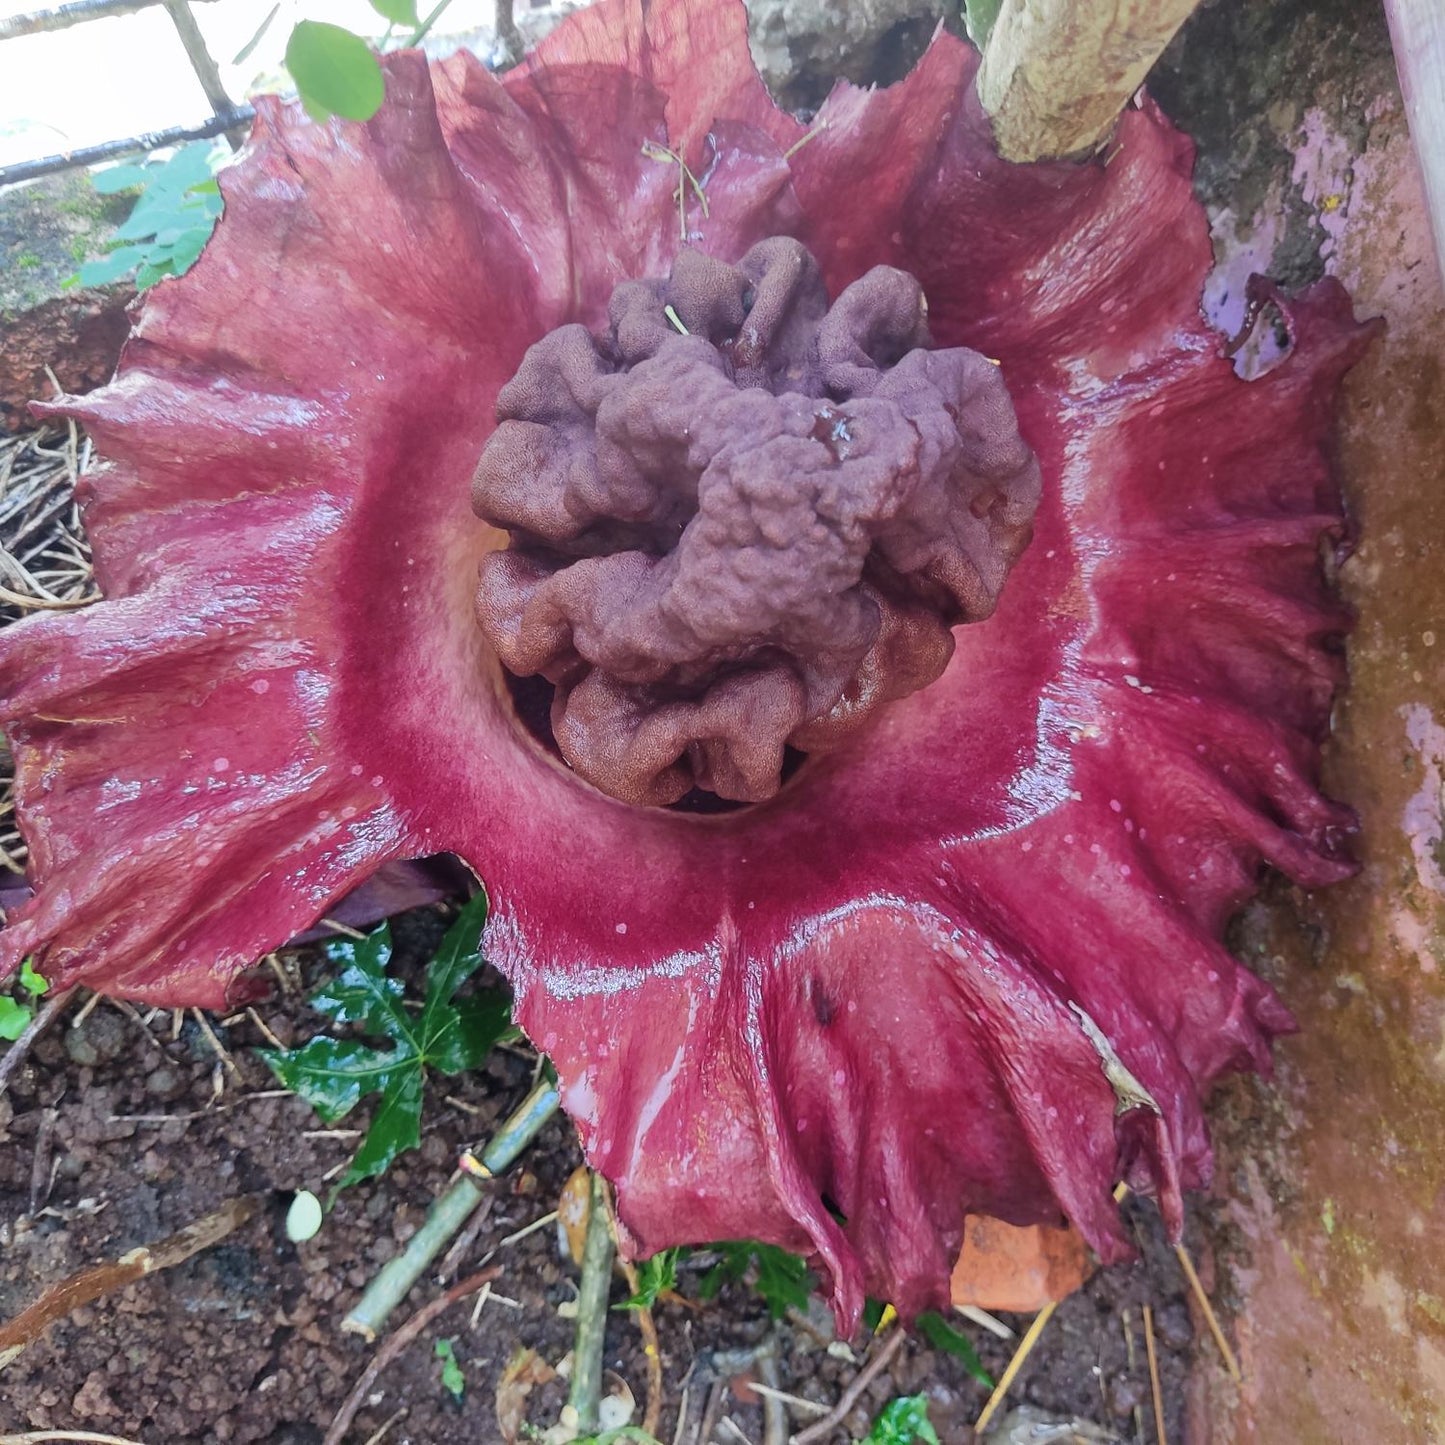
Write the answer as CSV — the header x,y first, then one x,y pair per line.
x,y
744,520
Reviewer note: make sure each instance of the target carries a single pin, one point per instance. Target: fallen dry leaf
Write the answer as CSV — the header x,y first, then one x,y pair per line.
x,y
525,1369
573,1207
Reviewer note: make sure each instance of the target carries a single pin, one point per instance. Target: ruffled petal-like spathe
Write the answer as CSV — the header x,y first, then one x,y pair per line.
x,y
970,961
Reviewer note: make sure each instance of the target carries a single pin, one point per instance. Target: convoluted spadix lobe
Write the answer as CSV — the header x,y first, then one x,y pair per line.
x,y
743,520
969,959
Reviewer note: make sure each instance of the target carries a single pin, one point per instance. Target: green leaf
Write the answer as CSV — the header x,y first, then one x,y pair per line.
x,y
979,18
942,1336
399,12
187,250
119,178
335,71
469,1032
149,272
14,1017
456,960
31,981
655,1276
334,1075
361,993
395,1128
452,1376
782,1280
105,269
903,1421
446,1033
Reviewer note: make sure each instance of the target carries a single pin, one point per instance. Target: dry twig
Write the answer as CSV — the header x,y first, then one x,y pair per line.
x,y
854,1392
102,1279
380,1434
1154,1376
395,1343
39,1437
1026,1345
19,1051
1210,1318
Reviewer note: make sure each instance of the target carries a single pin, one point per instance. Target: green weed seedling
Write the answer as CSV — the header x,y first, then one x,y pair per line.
x,y
17,1011
447,1033
452,1377
783,1280
655,1275
903,1421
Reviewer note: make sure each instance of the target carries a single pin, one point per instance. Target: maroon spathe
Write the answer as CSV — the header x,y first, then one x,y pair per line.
x,y
955,964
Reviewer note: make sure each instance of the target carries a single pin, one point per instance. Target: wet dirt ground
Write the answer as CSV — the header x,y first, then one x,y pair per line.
x,y
113,1135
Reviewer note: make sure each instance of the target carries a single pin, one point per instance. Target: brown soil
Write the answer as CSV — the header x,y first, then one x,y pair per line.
x,y
113,1135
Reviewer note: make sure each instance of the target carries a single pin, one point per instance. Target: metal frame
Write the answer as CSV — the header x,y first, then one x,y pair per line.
x,y
227,117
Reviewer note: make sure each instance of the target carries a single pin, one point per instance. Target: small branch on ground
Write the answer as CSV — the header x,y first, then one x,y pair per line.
x,y
450,1213
396,1342
775,1415
466,1241
651,1348
103,1279
87,1437
1207,1308
850,1397
1026,1345
17,1053
585,1396
1160,1432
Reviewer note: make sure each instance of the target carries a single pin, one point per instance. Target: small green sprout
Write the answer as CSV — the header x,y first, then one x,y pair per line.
x,y
452,1376
782,1279
16,1013
632,1433
448,1034
903,1421
656,1275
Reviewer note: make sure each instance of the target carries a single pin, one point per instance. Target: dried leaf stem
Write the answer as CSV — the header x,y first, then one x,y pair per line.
x,y
19,1051
395,1343
450,1212
850,1397
585,1396
87,1437
103,1279
1154,1388
1211,1319
1000,1391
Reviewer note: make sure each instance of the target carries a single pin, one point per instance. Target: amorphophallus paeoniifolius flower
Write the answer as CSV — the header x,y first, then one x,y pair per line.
x,y
965,953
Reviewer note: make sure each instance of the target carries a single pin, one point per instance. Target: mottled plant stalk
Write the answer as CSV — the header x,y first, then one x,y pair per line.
x,y
450,1212
508,34
1057,73
597,1254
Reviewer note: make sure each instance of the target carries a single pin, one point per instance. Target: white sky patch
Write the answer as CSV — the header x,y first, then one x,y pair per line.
x,y
107,79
